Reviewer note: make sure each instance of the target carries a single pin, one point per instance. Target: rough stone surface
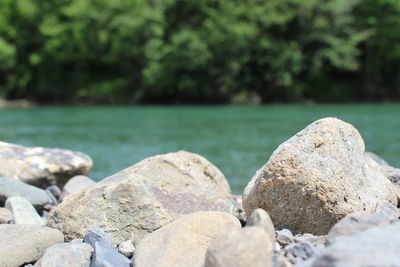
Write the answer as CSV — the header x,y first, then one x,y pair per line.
x,y
318,242
10,187
126,248
297,252
184,242
42,166
260,218
104,256
316,178
22,244
23,211
96,234
6,216
144,197
250,246
66,255
378,246
77,183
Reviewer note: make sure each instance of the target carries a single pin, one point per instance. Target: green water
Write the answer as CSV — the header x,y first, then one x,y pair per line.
x,y
238,139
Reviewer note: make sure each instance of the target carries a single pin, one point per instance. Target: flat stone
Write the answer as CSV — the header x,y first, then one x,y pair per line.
x,y
249,246
145,197
306,187
96,234
23,211
23,244
184,242
126,248
260,218
14,188
6,216
66,255
42,166
77,183
104,256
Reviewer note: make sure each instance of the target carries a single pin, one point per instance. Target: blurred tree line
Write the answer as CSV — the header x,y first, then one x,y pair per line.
x,y
199,50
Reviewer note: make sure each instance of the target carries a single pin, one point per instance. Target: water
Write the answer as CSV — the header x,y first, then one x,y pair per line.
x,y
238,139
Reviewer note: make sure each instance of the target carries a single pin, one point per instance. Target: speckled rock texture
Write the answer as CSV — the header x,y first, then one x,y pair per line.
x,y
66,255
184,242
250,246
316,178
145,197
42,166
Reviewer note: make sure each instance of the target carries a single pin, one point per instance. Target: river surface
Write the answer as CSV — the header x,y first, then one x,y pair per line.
x,y
238,139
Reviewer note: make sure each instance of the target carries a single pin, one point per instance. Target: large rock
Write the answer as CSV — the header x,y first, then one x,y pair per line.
x,y
66,255
144,197
23,244
23,211
316,178
250,246
184,242
11,188
42,166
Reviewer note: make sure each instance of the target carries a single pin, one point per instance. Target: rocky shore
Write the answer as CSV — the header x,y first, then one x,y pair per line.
x,y
320,200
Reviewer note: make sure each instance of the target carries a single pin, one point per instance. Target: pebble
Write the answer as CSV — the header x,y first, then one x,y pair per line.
x,y
23,211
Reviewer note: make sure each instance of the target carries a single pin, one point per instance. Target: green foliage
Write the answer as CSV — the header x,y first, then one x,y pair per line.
x,y
198,51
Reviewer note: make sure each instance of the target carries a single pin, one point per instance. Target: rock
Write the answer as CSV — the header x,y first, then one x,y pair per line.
x,y
260,218
6,216
145,197
378,246
12,188
55,193
77,183
23,244
297,252
284,237
23,211
104,256
76,241
278,260
126,248
318,242
250,246
184,242
42,166
66,255
316,178
96,234
387,210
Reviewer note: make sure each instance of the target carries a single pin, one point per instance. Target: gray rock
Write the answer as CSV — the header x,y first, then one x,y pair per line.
x,y
66,255
145,197
6,216
126,248
318,242
305,185
42,166
297,252
104,256
23,211
76,241
184,242
377,246
249,246
387,210
12,188
260,218
23,244
77,183
96,234
284,237
278,260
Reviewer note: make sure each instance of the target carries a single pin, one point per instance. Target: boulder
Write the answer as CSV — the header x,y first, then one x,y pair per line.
x,y
23,211
145,197
42,166
184,242
11,188
66,255
23,244
316,178
6,216
250,246
77,183
260,218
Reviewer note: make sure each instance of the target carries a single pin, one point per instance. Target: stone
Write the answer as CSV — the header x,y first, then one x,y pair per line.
x,y
104,256
297,252
96,234
260,218
249,246
278,260
184,242
6,217
377,246
23,244
14,188
66,255
387,210
284,237
42,166
126,248
145,197
23,211
77,183
318,242
316,178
